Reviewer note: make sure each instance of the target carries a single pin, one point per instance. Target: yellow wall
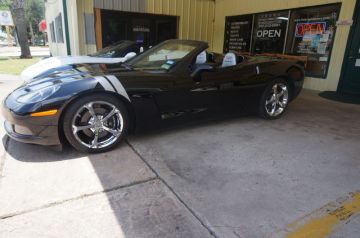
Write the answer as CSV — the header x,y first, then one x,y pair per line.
x,y
196,17
84,6
238,7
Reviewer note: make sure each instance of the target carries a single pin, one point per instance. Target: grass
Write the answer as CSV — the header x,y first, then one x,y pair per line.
x,y
15,65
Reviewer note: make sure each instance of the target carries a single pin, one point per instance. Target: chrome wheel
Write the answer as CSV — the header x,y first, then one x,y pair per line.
x,y
97,124
277,100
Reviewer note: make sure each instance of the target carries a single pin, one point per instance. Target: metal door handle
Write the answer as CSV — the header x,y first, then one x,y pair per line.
x,y
204,89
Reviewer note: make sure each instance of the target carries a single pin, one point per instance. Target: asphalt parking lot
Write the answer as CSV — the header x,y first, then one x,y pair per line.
x,y
298,176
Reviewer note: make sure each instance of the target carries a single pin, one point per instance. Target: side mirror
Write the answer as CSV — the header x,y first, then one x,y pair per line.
x,y
129,56
200,69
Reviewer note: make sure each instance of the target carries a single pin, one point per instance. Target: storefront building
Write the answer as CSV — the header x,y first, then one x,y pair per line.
x,y
324,32
94,24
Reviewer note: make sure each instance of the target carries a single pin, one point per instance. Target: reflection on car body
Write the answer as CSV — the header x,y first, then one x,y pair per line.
x,y
94,106
113,54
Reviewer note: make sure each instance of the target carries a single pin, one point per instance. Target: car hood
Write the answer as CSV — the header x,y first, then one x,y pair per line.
x,y
46,66
64,83
64,74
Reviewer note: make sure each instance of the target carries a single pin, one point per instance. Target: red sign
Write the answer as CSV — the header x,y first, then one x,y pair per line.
x,y
42,26
310,28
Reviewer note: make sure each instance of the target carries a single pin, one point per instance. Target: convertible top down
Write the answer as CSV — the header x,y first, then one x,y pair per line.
x,y
94,106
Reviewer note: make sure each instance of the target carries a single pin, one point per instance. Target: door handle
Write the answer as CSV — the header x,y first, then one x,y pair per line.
x,y
142,95
205,89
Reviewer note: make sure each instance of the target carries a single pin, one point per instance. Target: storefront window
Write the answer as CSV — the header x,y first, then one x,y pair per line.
x,y
238,33
59,29
313,31
141,31
52,32
306,32
146,29
269,32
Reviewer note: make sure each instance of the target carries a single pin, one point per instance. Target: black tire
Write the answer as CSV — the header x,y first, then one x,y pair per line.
x,y
72,115
263,109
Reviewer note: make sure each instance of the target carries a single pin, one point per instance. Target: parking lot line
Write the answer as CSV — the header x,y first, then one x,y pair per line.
x,y
322,222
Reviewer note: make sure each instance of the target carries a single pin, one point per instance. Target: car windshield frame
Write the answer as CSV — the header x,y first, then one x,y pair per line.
x,y
117,47
172,52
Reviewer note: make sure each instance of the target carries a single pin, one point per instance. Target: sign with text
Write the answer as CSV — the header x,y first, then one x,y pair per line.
x,y
6,18
313,35
310,28
270,32
238,33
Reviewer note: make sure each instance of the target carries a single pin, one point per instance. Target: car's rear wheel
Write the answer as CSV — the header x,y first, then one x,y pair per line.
x,y
274,100
95,123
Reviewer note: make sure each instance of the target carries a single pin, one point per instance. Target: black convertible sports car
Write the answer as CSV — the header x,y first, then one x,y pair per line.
x,y
93,107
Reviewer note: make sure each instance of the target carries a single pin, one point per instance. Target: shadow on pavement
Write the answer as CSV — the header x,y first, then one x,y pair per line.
x,y
68,152
140,203
54,155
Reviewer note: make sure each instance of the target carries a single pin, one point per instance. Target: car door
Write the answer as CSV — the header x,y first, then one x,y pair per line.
x,y
174,90
178,99
215,92
219,90
231,88
183,96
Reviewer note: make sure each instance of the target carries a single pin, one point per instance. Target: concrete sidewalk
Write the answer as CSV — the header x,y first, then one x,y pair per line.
x,y
144,210
11,52
243,177
252,178
46,193
5,78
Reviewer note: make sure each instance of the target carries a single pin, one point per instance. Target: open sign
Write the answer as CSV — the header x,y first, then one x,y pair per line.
x,y
268,33
310,28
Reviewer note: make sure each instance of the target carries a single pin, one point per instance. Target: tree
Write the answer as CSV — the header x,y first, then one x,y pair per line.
x,y
21,27
34,13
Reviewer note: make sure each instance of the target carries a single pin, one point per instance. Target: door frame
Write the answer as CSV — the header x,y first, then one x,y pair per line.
x,y
98,29
350,40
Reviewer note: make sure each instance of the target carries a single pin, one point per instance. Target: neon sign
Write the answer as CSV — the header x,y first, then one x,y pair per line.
x,y
310,28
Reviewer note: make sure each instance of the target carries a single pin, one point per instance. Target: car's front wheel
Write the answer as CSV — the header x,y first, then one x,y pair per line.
x,y
274,100
95,123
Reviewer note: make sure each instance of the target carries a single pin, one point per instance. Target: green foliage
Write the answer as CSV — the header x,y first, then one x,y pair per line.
x,y
35,12
15,65
5,4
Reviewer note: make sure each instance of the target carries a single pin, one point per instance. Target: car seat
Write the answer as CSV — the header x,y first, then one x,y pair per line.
x,y
201,58
230,59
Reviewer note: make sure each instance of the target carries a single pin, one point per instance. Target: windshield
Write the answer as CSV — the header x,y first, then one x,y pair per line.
x,y
118,49
163,57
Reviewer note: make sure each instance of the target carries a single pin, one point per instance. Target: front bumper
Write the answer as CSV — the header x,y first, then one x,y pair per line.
x,y
31,130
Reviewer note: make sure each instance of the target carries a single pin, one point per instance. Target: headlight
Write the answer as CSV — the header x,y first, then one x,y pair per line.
x,y
38,95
